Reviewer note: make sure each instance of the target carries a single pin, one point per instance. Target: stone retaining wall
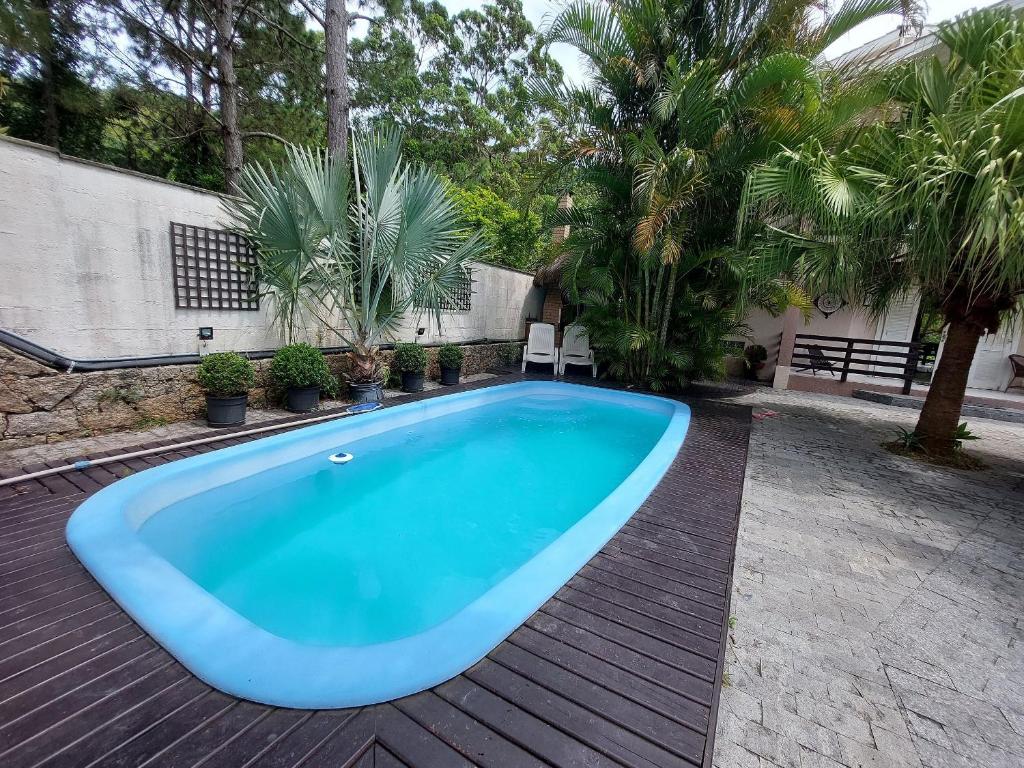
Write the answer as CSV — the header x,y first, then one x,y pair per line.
x,y
41,405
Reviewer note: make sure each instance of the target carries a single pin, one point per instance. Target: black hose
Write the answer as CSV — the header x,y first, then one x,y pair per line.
x,y
55,360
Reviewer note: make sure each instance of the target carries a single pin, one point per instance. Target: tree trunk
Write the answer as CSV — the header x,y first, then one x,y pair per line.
x,y
225,25
336,40
941,413
47,75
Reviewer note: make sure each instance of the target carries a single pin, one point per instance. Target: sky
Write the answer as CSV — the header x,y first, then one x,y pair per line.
x,y
540,11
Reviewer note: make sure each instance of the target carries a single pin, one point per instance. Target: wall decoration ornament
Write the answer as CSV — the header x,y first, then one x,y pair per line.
x,y
828,303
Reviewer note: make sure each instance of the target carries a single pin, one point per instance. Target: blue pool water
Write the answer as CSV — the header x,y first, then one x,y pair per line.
x,y
420,523
278,576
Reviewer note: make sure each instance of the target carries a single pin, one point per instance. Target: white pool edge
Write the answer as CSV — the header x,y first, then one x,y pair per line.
x,y
236,656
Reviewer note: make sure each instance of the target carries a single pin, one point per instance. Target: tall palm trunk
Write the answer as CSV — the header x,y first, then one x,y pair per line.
x,y
941,412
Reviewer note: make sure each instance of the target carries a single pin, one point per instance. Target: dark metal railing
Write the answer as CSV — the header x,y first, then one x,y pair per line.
x,y
843,356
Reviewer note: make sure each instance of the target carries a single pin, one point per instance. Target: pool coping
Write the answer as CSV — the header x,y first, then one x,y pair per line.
x,y
709,485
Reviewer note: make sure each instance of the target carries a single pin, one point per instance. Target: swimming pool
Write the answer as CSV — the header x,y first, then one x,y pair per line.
x,y
279,576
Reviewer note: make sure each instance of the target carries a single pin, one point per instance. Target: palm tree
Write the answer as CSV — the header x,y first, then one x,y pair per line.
x,y
684,96
931,199
356,252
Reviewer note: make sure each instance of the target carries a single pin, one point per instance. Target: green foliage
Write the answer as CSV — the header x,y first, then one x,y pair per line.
x,y
514,238
450,356
409,358
355,259
128,394
225,374
302,365
937,184
510,354
962,435
150,422
907,440
755,353
682,103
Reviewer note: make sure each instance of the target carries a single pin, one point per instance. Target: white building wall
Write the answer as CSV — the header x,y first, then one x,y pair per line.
x,y
85,267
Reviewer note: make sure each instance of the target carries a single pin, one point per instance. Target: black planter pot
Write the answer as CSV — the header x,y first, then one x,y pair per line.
x,y
303,399
450,376
226,411
366,393
412,382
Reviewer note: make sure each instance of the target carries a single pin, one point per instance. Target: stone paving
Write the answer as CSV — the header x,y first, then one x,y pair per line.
x,y
877,601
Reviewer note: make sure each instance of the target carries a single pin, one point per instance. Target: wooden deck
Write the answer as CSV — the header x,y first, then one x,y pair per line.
x,y
621,668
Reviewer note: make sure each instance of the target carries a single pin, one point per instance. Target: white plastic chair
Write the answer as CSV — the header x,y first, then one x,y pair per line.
x,y
540,346
576,349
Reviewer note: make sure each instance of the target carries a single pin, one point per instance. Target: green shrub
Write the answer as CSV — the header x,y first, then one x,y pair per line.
x,y
225,374
410,358
450,356
755,353
509,354
300,365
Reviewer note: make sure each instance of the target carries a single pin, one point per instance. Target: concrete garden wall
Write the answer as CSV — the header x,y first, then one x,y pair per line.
x,y
87,271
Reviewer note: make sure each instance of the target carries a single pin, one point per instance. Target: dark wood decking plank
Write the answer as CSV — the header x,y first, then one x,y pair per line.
x,y
529,732
650,644
384,759
470,738
128,724
296,745
35,650
164,733
604,736
591,578
698,635
413,744
45,683
606,699
205,742
74,716
615,670
655,697
260,737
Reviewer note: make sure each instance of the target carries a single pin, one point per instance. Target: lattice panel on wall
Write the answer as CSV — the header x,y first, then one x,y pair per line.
x,y
461,299
213,269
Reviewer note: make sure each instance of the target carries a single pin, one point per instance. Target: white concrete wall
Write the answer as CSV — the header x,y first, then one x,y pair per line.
x,y
85,267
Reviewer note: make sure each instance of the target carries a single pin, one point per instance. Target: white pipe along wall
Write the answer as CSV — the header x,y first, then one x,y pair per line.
x,y
87,271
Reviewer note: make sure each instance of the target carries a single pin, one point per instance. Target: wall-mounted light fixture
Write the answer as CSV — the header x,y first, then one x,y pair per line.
x,y
206,333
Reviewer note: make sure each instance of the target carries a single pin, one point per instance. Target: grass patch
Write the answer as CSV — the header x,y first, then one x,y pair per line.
x,y
149,422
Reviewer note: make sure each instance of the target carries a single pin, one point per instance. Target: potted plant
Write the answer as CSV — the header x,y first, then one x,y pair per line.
x,y
411,361
755,356
366,378
331,241
302,371
227,378
449,359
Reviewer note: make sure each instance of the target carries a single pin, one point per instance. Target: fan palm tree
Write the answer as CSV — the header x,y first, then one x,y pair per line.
x,y
684,96
930,199
355,251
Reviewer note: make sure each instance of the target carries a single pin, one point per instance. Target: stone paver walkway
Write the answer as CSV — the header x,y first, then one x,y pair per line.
x,y
878,601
